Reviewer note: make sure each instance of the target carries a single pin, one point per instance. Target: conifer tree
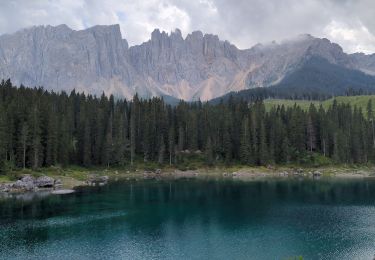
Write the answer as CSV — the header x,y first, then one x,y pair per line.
x,y
161,152
209,152
245,146
3,139
87,144
171,143
132,134
263,151
35,139
51,141
107,153
23,144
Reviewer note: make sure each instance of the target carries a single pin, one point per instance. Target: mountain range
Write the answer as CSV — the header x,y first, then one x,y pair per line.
x,y
199,66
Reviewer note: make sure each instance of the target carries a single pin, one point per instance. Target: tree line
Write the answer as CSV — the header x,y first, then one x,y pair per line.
x,y
39,128
288,92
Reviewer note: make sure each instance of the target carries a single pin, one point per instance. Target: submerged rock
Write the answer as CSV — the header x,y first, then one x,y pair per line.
x,y
61,192
58,183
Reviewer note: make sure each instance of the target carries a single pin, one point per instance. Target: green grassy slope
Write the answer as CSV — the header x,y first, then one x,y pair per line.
x,y
359,101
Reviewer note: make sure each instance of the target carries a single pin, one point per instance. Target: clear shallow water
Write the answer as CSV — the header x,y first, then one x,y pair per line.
x,y
195,219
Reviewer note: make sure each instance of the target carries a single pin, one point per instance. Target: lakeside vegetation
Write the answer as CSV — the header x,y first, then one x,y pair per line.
x,y
73,176
41,130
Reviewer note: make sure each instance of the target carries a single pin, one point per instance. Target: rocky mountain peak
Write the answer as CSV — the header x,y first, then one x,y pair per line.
x,y
176,34
199,66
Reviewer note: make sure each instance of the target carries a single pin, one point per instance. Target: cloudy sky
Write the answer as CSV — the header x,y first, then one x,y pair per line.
x,y
350,23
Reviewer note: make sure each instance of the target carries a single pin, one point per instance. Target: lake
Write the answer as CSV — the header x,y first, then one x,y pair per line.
x,y
194,219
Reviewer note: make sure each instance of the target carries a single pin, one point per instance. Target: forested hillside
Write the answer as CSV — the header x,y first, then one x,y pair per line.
x,y
316,79
361,102
40,128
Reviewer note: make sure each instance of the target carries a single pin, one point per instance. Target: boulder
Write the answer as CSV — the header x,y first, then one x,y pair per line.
x,y
58,183
283,174
44,182
95,179
6,187
26,183
317,174
27,178
103,178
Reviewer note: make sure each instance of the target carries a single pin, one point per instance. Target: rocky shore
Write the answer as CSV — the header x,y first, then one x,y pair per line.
x,y
245,174
28,183
175,174
239,174
253,173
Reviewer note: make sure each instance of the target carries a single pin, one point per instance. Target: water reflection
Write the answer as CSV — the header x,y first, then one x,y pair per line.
x,y
212,219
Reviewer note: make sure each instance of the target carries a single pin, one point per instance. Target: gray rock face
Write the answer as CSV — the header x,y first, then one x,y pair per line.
x,y
26,183
366,63
186,68
92,60
44,182
201,66
29,183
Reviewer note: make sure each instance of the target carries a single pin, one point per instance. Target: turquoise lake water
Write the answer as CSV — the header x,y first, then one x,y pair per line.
x,y
194,219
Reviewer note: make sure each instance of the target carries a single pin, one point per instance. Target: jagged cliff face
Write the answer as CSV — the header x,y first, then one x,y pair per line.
x,y
58,58
186,68
197,67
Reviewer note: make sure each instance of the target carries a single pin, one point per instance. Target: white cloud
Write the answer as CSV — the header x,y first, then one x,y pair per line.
x,y
243,22
353,39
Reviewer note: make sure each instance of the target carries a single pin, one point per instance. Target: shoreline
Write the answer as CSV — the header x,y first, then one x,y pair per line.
x,y
100,177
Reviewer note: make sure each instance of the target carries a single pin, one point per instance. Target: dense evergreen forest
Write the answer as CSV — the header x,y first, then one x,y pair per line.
x,y
40,128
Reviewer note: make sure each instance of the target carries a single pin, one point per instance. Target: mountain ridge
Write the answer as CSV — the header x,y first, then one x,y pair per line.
x,y
199,66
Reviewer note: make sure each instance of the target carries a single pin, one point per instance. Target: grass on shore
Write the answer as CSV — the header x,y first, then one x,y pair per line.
x,y
359,101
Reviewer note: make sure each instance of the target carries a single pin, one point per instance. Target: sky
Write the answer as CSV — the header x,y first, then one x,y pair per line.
x,y
350,23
